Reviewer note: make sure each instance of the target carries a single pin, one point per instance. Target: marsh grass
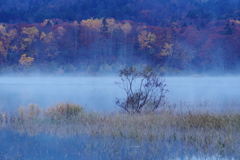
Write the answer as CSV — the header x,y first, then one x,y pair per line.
x,y
194,132
64,112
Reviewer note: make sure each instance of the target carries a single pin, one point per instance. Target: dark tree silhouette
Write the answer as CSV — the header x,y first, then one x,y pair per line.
x,y
145,90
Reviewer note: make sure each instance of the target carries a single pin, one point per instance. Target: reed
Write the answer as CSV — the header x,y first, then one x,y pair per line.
x,y
211,133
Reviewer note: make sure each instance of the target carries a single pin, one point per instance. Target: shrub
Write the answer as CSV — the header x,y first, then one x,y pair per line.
x,y
145,90
30,112
64,111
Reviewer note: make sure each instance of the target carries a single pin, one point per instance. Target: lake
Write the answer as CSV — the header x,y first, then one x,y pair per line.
x,y
48,147
99,93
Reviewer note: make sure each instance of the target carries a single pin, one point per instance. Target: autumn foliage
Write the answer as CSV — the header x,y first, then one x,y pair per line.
x,y
104,44
26,61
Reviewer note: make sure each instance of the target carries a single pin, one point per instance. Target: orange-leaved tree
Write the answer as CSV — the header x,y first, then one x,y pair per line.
x,y
25,61
146,41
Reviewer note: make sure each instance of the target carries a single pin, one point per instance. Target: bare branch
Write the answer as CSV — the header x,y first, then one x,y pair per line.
x,y
145,90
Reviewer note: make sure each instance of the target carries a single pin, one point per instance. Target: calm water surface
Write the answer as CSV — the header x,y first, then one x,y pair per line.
x,y
16,146
99,93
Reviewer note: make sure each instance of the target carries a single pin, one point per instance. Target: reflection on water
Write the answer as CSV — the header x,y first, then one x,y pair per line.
x,y
47,147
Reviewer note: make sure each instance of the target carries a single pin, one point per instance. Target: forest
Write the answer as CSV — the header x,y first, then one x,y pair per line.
x,y
94,36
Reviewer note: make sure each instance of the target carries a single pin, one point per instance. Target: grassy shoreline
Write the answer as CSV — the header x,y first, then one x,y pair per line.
x,y
207,133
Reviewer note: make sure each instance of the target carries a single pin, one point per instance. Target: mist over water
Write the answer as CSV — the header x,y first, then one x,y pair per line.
x,y
99,93
93,93
220,91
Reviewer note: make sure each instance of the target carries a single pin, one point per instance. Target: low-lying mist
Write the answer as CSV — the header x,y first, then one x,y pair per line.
x,y
78,130
99,93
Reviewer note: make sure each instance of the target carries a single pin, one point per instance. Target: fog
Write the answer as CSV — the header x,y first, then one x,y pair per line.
x,y
99,93
93,93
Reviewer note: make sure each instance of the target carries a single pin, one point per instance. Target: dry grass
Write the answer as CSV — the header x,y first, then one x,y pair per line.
x,y
64,112
201,132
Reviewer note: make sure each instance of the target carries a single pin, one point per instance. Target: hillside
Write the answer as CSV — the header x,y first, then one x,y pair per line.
x,y
73,36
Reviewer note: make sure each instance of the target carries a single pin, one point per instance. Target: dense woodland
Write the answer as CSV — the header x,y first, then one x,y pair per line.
x,y
73,36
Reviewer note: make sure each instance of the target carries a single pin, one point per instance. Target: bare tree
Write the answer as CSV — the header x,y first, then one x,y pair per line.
x,y
145,90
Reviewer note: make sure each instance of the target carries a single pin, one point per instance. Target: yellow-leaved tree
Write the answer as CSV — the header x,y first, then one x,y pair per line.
x,y
126,28
167,50
60,31
30,35
112,25
25,61
93,24
7,45
147,41
49,45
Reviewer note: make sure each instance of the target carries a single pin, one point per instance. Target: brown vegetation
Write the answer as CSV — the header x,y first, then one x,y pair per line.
x,y
204,132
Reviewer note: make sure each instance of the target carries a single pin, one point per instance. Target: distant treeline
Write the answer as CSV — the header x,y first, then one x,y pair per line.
x,y
152,12
171,35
